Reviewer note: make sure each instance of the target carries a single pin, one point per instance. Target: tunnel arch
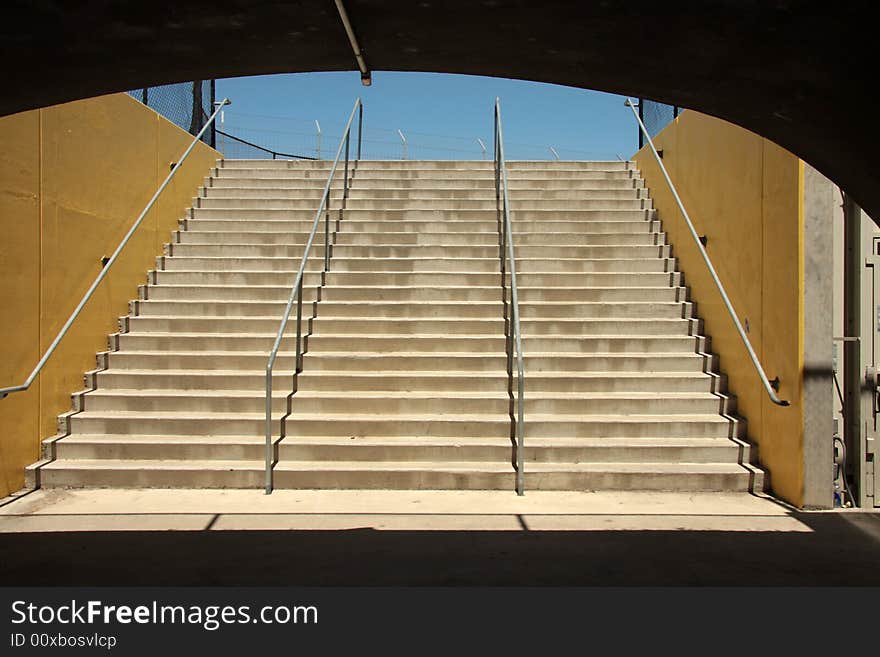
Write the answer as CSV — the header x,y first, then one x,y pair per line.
x,y
791,71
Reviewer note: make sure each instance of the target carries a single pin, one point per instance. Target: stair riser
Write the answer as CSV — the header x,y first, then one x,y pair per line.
x,y
492,238
350,225
300,403
639,237
218,308
376,252
417,193
318,362
283,226
194,237
312,381
391,279
289,450
359,202
309,382
622,363
339,264
294,426
590,327
419,480
649,481
561,428
559,230
584,408
208,293
486,187
226,293
488,214
151,478
359,326
411,293
419,363
488,310
593,295
647,383
438,480
545,266
316,343
568,409
622,310
287,265
613,345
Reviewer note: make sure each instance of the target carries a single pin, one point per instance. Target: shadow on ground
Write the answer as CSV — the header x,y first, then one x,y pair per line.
x,y
841,549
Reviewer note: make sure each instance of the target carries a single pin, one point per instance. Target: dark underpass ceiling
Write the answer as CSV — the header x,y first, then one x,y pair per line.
x,y
795,72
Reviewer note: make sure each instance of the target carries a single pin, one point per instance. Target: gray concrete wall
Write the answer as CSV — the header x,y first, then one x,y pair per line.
x,y
821,214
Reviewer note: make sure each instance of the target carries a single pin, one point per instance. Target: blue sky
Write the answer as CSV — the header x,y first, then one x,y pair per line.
x,y
440,115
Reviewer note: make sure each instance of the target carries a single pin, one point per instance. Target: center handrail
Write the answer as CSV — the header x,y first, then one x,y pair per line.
x,y
514,337
702,249
296,290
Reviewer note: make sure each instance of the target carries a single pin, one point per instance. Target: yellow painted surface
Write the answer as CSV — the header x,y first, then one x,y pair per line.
x,y
19,293
746,195
73,179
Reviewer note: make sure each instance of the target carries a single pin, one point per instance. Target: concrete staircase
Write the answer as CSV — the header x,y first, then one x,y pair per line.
x,y
404,383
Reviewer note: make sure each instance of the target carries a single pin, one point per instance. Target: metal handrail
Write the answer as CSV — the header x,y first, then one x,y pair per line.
x,y
513,338
88,295
296,290
702,249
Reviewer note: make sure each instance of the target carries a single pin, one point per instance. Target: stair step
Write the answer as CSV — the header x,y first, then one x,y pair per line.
x,y
391,380
392,450
647,363
493,397
438,215
360,202
354,474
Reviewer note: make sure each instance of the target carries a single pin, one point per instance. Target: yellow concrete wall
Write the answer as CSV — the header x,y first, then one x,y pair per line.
x,y
73,178
746,195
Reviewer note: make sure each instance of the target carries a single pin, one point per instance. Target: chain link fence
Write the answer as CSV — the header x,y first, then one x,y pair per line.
x,y
188,105
655,116
239,135
244,135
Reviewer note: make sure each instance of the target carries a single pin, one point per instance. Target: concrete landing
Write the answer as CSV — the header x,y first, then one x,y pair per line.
x,y
215,537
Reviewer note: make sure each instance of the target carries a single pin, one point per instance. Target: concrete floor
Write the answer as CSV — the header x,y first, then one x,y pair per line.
x,y
216,537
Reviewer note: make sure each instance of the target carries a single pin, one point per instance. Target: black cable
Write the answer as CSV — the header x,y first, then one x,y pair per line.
x,y
846,488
